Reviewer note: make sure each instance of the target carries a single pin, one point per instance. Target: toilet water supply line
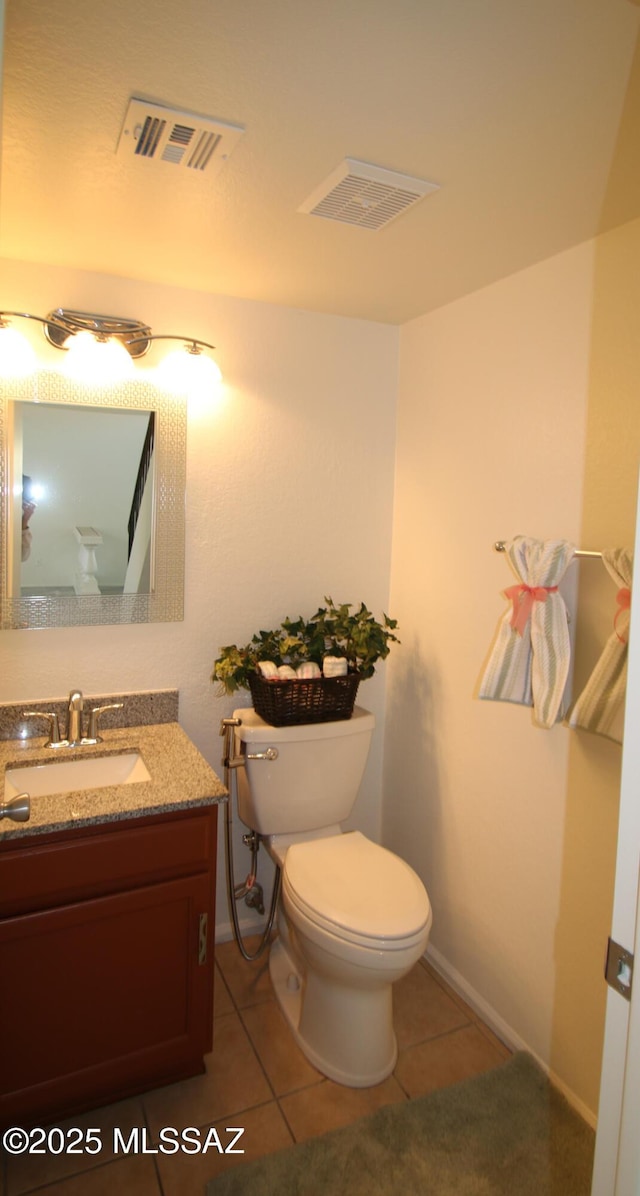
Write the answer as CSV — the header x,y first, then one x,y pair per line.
x,y
249,888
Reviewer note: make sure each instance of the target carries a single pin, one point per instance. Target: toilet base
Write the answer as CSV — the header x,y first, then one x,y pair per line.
x,y
346,1033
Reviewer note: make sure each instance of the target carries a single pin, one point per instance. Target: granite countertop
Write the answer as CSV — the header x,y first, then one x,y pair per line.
x,y
180,778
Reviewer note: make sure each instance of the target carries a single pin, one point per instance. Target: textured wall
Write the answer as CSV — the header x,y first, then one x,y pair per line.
x,y
289,498
491,434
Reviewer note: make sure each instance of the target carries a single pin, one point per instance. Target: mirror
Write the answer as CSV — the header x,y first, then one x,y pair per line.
x,y
92,503
84,485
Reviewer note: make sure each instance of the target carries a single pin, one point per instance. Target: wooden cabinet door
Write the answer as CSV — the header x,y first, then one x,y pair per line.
x,y
103,997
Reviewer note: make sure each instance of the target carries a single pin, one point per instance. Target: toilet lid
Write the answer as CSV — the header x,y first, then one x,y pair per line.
x,y
354,884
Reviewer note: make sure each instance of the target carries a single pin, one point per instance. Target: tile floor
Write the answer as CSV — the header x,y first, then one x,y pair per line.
x,y
257,1079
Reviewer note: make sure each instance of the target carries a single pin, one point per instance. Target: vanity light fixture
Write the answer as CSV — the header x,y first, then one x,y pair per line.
x,y
96,356
63,323
187,369
105,348
17,358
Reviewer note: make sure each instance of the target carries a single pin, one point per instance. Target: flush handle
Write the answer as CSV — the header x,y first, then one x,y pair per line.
x,y
270,754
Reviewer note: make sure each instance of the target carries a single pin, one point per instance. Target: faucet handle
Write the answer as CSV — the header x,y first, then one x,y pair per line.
x,y
92,732
54,739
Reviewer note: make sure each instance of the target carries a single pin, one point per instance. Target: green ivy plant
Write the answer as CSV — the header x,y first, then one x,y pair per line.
x,y
332,631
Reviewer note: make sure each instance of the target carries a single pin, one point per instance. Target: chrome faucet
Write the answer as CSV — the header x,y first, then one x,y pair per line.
x,y
54,739
74,718
75,738
75,709
92,730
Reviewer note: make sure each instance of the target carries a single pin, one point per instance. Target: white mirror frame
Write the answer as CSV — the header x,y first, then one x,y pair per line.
x,y
165,604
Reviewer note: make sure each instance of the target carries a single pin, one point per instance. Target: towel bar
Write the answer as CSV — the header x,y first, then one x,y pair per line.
x,y
500,546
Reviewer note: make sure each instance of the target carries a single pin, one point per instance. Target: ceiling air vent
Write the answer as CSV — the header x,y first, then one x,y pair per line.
x,y
182,139
365,195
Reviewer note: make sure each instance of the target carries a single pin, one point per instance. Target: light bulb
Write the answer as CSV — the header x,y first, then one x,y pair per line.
x,y
17,358
96,361
191,372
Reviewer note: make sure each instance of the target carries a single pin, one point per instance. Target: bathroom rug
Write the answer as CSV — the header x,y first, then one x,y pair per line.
x,y
507,1132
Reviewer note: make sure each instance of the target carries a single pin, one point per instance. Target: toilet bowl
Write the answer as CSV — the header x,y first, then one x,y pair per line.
x,y
358,919
353,917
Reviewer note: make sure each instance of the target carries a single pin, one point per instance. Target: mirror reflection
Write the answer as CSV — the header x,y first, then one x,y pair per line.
x,y
86,513
92,503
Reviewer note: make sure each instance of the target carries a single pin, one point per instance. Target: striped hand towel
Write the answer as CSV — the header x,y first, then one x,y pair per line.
x,y
600,707
529,661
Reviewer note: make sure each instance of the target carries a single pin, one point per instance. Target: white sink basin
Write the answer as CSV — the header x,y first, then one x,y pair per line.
x,y
60,776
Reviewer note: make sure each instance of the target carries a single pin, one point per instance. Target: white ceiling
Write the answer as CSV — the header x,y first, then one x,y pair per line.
x,y
527,114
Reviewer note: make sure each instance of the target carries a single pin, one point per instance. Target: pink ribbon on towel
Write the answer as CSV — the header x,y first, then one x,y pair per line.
x,y
523,598
623,598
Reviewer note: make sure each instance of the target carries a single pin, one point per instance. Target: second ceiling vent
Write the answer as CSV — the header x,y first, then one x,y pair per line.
x,y
365,195
182,139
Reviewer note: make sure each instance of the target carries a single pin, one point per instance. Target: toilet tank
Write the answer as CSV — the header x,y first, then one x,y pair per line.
x,y
314,780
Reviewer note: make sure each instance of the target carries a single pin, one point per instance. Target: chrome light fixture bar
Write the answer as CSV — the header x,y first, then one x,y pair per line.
x,y
187,368
66,329
135,335
5,317
62,323
190,343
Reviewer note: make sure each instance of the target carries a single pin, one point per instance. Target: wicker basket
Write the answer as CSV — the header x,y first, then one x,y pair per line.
x,y
314,700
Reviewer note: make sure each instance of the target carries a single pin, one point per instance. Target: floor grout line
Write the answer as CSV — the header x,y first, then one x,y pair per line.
x,y
242,1008
287,1123
73,1175
257,1057
156,1168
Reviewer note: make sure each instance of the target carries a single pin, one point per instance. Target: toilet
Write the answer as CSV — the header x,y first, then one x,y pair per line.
x,y
353,917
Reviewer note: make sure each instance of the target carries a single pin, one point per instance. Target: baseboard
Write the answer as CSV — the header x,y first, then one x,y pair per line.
x,y
224,930
501,1028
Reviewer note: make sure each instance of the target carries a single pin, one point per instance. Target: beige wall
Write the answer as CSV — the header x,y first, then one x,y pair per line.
x,y
518,412
502,398
491,438
593,784
289,498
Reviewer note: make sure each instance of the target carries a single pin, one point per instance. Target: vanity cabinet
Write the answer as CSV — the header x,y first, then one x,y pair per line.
x,y
106,960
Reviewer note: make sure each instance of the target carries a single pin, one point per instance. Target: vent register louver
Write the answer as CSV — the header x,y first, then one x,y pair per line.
x,y
356,193
183,139
365,195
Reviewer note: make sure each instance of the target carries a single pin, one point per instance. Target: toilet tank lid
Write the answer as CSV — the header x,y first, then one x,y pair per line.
x,y
358,885
254,729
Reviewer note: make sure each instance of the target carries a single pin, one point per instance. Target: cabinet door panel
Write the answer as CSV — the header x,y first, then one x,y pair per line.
x,y
107,987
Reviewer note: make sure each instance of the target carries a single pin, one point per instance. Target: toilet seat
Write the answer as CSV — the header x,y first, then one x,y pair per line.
x,y
356,891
